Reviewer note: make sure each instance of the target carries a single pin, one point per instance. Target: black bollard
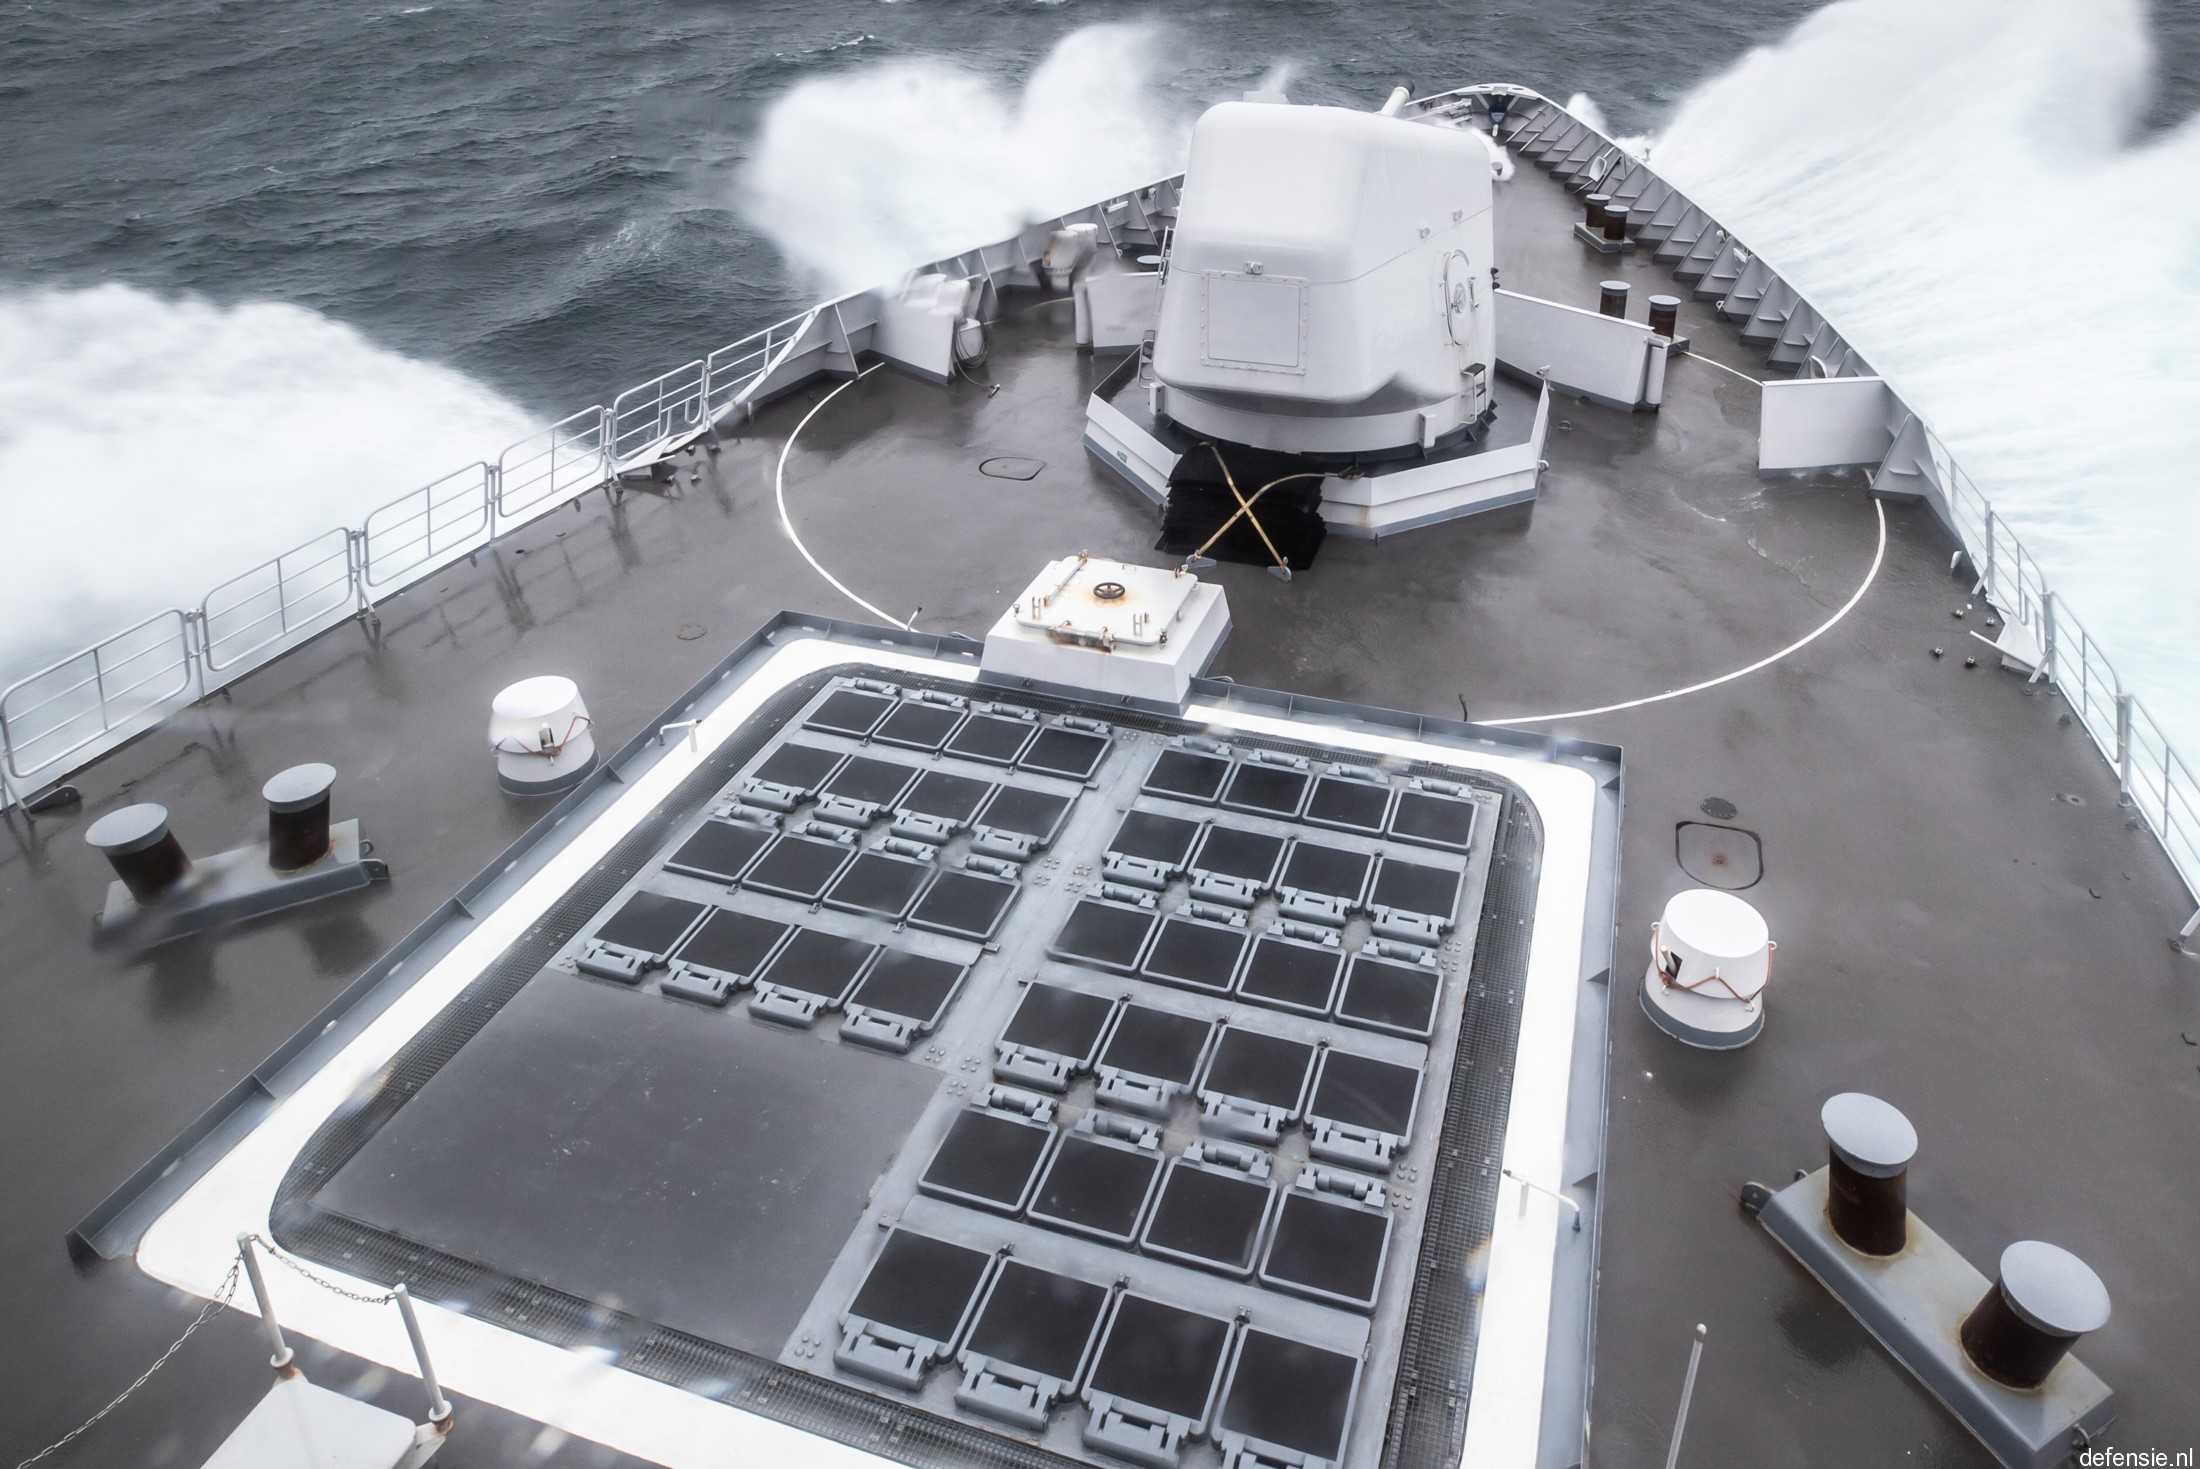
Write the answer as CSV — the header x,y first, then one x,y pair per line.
x,y
297,816
143,852
1869,1146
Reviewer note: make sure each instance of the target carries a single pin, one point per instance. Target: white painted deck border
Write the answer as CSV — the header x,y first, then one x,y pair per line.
x,y
586,1395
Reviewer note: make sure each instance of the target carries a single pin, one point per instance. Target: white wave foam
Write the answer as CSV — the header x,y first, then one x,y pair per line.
x,y
857,177
152,448
1954,183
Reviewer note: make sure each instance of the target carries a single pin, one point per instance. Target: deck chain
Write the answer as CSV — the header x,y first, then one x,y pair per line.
x,y
208,1312
297,1267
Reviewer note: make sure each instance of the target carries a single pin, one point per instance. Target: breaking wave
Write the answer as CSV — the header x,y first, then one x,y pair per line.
x,y
859,176
1961,186
150,448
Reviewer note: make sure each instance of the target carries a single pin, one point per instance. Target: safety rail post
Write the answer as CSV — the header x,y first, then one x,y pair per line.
x,y
439,1407
1986,573
2047,667
280,1355
2123,750
1688,1393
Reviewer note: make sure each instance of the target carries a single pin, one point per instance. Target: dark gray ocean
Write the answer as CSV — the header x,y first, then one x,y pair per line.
x,y
312,255
546,195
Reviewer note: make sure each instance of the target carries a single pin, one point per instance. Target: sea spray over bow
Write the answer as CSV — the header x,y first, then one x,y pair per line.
x,y
151,448
1955,183
857,177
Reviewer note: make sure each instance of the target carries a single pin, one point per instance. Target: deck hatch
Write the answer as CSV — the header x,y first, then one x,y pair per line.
x,y
639,936
1349,804
1195,955
1104,935
1416,887
989,1159
1021,808
732,944
798,867
1154,837
1254,1084
799,767
1072,754
1061,1023
1433,820
1030,1343
956,799
1288,1395
1214,1218
869,781
1390,995
1287,975
1098,1187
912,1308
814,971
1265,790
1187,775
720,851
1328,1248
1232,851
1335,872
850,712
918,726
992,739
878,884
965,904
914,988
1153,1382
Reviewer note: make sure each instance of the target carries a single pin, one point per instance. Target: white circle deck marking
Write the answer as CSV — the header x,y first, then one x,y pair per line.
x,y
1879,554
779,488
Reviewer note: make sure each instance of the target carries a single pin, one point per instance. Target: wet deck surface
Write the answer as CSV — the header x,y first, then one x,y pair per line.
x,y
1968,924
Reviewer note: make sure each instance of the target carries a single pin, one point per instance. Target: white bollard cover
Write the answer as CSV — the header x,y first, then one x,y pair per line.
x,y
1710,960
542,735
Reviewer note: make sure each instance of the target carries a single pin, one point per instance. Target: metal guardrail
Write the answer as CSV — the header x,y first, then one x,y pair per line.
x,y
567,459
297,594
104,694
733,373
2150,776
654,418
422,530
67,714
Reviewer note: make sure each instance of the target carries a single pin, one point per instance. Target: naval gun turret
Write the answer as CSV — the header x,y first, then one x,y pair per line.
x,y
1328,290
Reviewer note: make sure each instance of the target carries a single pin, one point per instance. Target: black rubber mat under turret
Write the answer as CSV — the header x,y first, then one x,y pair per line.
x,y
1200,502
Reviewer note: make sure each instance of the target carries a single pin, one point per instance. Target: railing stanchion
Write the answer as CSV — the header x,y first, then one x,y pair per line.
x,y
1688,1391
280,1355
2123,750
439,1407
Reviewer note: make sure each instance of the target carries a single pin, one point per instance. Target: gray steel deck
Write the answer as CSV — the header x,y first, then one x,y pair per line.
x,y
1968,924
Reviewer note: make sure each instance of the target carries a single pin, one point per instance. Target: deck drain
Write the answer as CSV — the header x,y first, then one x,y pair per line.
x,y
1719,856
1010,467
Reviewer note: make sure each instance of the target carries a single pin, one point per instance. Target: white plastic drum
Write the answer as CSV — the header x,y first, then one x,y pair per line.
x,y
542,735
1710,961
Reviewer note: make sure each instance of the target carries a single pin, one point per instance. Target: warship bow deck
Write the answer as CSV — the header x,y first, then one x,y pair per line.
x,y
1969,924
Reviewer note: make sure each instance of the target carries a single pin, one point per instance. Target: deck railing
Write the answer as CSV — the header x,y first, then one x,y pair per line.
x,y
2041,633
69,713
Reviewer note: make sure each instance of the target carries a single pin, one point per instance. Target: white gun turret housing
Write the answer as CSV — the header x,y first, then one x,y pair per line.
x,y
1328,287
